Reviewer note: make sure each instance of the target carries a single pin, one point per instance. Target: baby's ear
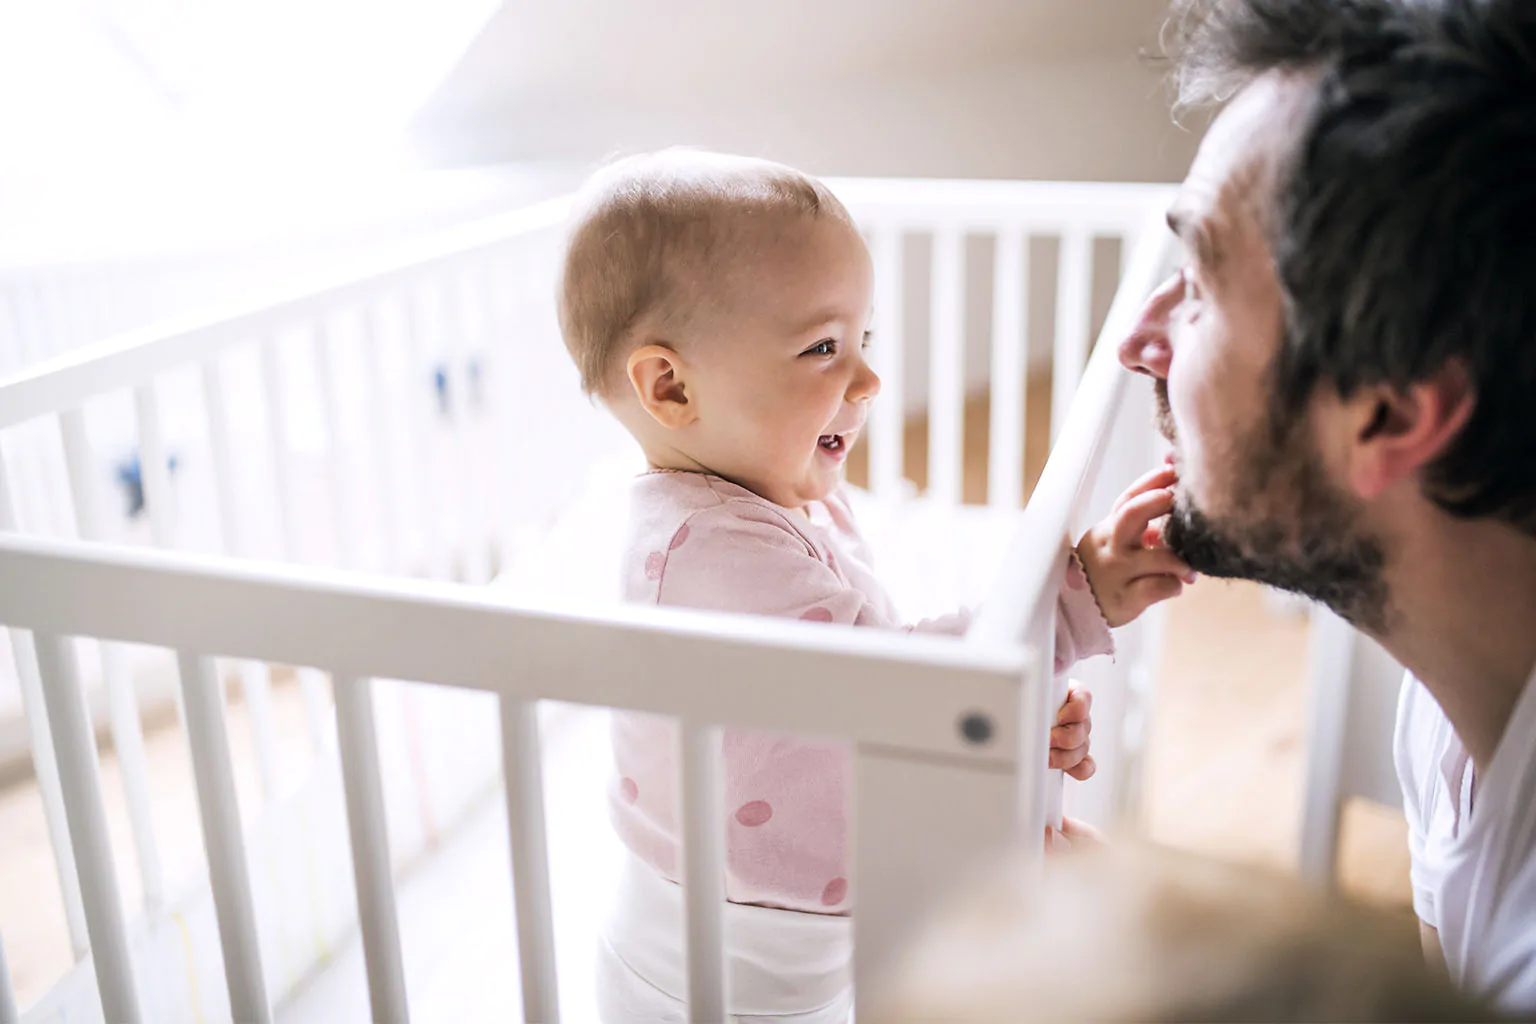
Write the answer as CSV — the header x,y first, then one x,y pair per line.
x,y
656,374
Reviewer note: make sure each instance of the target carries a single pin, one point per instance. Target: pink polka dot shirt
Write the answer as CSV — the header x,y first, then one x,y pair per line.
x,y
698,541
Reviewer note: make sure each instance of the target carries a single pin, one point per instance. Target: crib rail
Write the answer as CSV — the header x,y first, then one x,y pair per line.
x,y
131,359
888,693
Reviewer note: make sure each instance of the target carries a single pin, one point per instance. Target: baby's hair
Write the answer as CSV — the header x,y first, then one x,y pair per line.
x,y
656,239
1139,933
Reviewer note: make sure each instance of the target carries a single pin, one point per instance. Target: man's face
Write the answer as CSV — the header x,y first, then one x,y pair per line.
x,y
1255,499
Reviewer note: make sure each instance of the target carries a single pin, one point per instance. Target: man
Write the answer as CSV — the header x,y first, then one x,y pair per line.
x,y
1347,368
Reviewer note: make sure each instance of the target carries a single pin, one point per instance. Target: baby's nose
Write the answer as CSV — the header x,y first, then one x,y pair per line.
x,y
865,386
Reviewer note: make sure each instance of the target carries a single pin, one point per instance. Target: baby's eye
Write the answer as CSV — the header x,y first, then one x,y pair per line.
x,y
824,347
868,337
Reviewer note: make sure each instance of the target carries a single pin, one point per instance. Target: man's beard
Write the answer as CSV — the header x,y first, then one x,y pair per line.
x,y
1300,534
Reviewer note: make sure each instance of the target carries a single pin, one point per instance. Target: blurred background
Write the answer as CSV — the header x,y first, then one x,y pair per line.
x,y
152,127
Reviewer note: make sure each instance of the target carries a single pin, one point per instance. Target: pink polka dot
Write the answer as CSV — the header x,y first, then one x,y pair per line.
x,y
679,538
654,563
754,814
629,790
817,614
835,892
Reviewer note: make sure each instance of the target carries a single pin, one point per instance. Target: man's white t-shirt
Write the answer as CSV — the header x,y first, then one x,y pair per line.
x,y
1472,838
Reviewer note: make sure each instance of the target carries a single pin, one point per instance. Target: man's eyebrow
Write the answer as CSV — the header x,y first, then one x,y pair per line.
x,y
1196,235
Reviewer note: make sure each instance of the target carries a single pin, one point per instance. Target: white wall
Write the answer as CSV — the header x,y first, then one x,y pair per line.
x,y
1099,118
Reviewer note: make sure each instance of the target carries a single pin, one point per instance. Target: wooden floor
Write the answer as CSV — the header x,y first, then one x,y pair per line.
x,y
1225,772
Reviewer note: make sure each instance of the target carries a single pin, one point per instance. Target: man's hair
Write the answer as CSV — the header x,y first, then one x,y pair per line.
x,y
1404,229
655,240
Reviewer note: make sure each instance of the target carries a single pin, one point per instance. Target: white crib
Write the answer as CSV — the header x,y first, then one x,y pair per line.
x,y
354,459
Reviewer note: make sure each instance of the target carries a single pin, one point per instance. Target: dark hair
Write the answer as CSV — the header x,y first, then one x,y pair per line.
x,y
1404,229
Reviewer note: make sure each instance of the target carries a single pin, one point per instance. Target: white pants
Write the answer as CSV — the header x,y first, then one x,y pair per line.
x,y
783,966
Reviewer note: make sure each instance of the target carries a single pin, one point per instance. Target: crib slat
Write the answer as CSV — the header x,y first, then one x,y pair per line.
x,y
421,428
33,328
122,703
387,494
159,502
886,438
524,777
359,744
946,375
1041,788
223,838
1010,362
511,320
45,765
703,853
342,500
472,499
282,459
46,769
255,682
80,777
10,336
1070,356
311,682
217,411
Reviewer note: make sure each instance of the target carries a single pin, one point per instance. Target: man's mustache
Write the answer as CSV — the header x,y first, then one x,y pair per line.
x,y
1164,411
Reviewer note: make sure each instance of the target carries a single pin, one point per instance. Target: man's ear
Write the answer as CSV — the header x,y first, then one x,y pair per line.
x,y
657,375
1399,431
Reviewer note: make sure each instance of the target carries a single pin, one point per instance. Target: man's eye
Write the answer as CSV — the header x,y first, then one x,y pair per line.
x,y
825,347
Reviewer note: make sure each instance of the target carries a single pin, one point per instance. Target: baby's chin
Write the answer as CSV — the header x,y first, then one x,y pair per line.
x,y
809,491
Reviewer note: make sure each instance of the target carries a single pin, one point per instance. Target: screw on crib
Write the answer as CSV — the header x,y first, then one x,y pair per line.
x,y
131,476
976,728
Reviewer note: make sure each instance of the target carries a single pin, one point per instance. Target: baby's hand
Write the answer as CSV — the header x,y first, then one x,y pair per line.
x,y
1128,565
1073,836
1069,737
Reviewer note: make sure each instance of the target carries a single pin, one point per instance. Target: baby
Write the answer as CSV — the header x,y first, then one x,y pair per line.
x,y
719,307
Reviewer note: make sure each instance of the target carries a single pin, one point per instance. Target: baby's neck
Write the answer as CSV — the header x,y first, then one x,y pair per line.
x,y
671,461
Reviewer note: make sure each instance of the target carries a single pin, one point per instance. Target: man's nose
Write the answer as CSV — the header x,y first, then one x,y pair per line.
x,y
1146,349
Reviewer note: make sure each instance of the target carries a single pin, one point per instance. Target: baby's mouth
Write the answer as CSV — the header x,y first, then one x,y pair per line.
x,y
831,442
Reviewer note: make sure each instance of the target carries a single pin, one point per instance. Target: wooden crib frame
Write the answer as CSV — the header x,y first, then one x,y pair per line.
x,y
949,737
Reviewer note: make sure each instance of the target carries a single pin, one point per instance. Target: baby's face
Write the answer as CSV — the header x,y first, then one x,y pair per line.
x,y
782,383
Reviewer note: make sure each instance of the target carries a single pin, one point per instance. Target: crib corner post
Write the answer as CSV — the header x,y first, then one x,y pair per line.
x,y
8,1012
919,823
